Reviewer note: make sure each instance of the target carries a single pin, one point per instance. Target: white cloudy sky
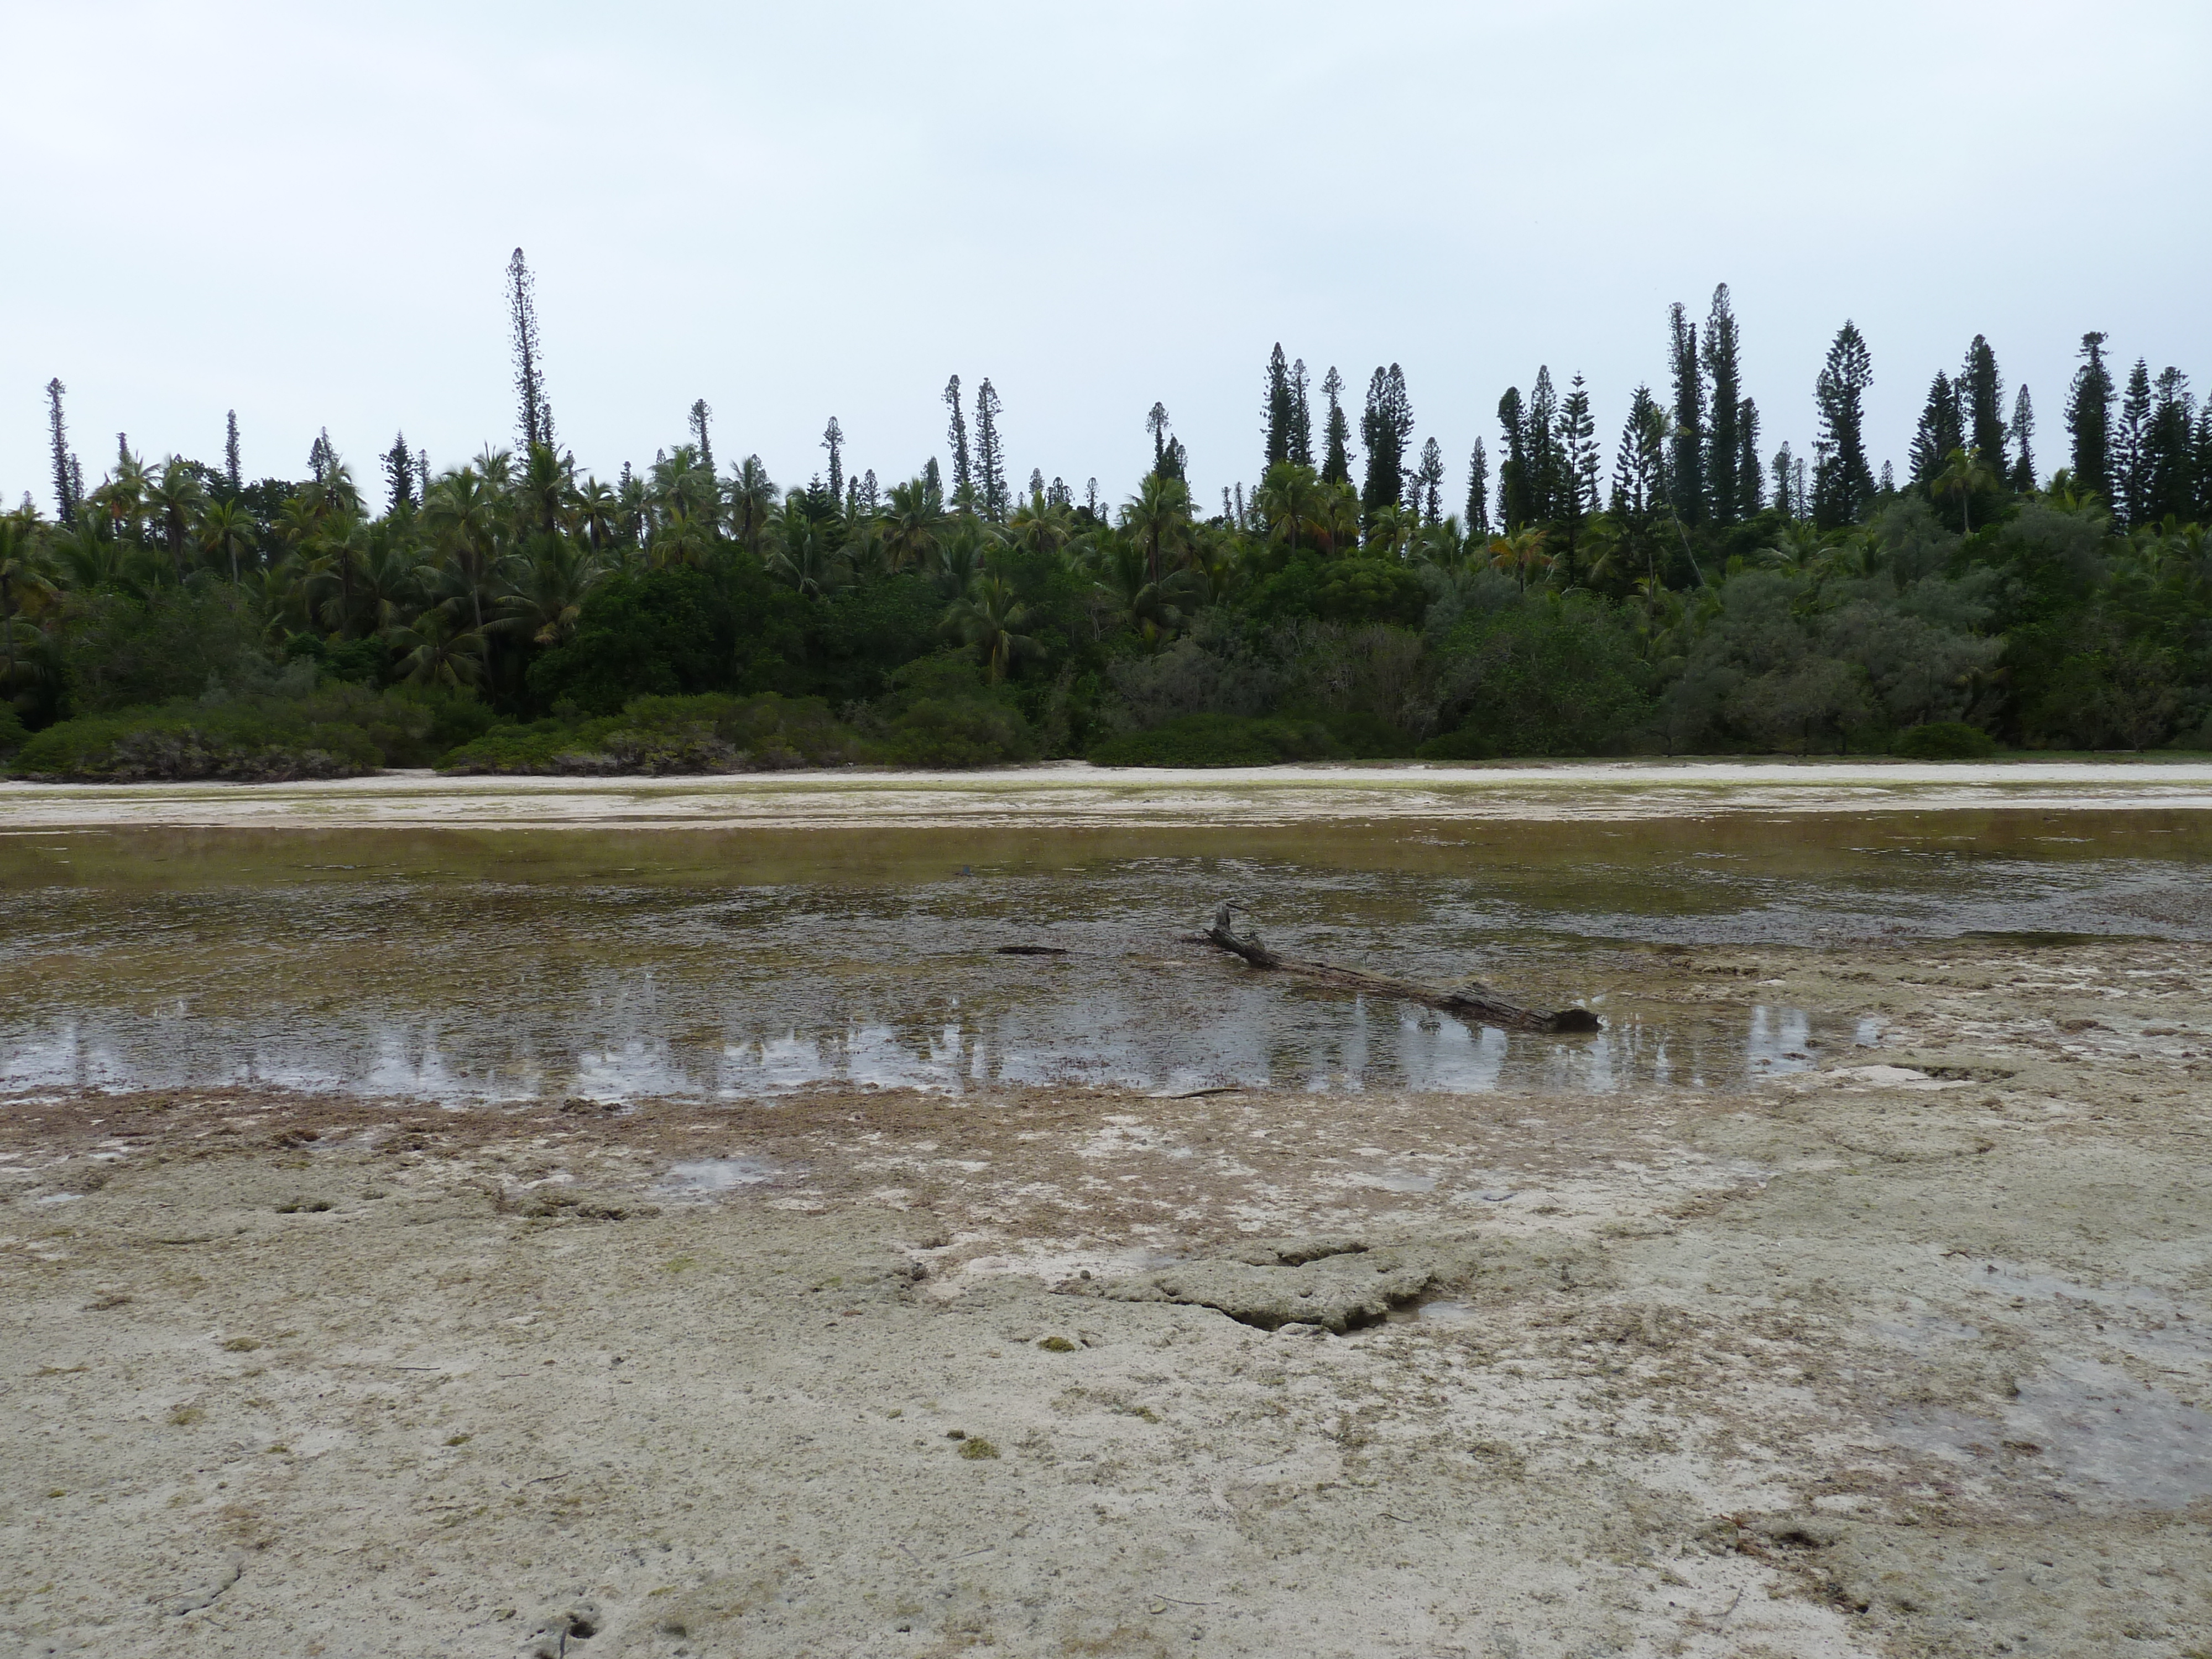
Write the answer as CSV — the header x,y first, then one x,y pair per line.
x,y
302,212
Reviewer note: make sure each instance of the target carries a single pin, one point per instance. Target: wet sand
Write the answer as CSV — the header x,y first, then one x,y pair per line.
x,y
1905,1351
1074,795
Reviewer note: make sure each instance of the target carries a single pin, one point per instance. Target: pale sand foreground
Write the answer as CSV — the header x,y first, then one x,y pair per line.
x,y
1072,794
1907,1354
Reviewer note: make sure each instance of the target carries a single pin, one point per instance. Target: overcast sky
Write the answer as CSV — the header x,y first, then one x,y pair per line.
x,y
303,213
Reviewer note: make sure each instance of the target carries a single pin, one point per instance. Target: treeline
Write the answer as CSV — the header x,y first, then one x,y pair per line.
x,y
1694,595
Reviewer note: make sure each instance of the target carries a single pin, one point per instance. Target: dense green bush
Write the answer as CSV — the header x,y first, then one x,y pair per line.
x,y
12,731
677,631
715,733
293,731
262,741
1552,675
1944,740
943,712
1219,740
936,732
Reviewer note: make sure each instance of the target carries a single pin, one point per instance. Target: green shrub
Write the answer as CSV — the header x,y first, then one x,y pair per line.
x,y
1944,740
263,741
12,731
1219,740
659,735
957,733
1545,676
336,731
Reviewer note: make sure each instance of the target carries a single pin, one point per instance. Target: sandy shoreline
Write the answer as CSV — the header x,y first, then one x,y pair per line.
x,y
1909,1352
1074,795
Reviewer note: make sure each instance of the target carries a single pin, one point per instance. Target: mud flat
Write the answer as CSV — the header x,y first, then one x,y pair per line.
x,y
1072,794
1905,1351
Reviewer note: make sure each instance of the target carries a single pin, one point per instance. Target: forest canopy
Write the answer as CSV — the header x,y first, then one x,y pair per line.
x,y
1683,592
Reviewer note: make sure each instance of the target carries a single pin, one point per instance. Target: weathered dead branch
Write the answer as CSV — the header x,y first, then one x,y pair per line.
x,y
1468,1002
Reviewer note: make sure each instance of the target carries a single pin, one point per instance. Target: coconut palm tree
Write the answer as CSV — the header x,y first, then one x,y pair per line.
x,y
25,575
752,499
465,515
1390,531
1158,517
680,539
1964,473
597,515
1125,583
552,577
227,532
1520,555
914,523
991,618
547,487
802,551
176,501
441,650
1041,526
1292,503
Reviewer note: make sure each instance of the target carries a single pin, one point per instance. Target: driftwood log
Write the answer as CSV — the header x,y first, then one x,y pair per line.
x,y
1471,1002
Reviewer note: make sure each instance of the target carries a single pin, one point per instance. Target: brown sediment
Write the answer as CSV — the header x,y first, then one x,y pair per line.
x,y
1906,1352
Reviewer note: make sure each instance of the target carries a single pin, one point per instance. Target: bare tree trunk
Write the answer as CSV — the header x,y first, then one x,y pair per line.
x,y
1475,1005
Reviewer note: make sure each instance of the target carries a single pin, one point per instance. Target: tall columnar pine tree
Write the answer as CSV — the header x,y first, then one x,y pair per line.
x,y
1724,441
1429,483
534,414
1384,426
1639,465
65,490
1168,456
1276,409
2169,464
1981,398
1336,459
1786,500
956,440
990,455
833,440
2089,421
2130,458
1478,490
399,475
1750,482
1515,510
2020,435
1685,473
1301,435
1579,468
1843,483
1941,430
701,418
231,473
1547,469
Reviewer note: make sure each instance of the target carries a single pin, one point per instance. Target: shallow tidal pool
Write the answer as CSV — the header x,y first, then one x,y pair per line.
x,y
470,966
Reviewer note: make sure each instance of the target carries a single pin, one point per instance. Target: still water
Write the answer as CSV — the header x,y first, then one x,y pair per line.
x,y
484,965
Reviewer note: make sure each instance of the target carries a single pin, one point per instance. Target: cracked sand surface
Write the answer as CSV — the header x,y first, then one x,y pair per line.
x,y
1906,1352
